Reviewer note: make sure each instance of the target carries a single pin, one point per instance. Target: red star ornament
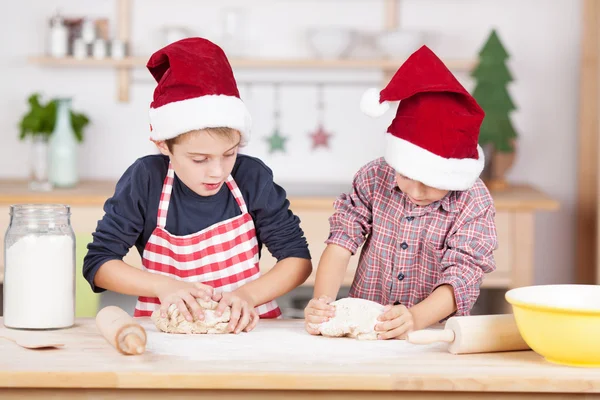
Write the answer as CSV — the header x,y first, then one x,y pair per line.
x,y
320,138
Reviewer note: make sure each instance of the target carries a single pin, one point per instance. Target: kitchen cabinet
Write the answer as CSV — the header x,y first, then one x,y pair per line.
x,y
516,209
272,362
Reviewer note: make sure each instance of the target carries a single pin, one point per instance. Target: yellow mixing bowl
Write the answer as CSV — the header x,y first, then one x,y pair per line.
x,y
560,322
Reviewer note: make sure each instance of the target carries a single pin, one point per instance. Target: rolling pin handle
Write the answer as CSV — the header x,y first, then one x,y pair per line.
x,y
133,344
120,330
428,336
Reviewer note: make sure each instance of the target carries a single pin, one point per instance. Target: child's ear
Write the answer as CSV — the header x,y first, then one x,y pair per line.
x,y
161,145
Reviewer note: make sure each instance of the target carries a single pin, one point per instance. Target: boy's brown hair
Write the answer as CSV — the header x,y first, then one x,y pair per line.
x,y
223,131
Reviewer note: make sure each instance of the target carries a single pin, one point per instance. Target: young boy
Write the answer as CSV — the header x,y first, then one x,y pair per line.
x,y
198,213
425,218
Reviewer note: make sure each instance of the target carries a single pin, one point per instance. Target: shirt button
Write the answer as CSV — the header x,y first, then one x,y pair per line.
x,y
404,246
400,276
409,219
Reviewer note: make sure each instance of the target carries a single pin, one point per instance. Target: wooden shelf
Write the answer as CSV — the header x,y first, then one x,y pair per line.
x,y
123,67
132,62
49,61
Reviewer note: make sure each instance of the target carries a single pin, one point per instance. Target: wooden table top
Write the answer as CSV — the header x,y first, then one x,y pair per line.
x,y
277,355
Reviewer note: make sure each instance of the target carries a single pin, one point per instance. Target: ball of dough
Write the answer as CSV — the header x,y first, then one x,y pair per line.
x,y
355,318
174,322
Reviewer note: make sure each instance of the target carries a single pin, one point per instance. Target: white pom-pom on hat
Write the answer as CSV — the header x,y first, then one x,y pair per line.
x,y
370,103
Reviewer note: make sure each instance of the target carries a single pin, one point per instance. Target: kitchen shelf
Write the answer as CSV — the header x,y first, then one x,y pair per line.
x,y
124,66
49,61
132,62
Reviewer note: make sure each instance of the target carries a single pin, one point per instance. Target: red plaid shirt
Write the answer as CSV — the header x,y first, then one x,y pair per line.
x,y
410,250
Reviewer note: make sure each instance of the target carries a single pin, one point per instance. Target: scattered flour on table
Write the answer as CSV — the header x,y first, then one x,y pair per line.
x,y
279,342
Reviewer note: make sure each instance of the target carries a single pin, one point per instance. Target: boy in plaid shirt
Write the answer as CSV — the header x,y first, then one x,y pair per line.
x,y
423,216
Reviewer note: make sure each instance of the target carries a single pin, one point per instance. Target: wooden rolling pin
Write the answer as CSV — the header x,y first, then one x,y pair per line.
x,y
121,331
474,334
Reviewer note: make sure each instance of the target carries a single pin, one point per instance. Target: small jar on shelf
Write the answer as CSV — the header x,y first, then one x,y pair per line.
x,y
59,37
80,49
118,49
99,49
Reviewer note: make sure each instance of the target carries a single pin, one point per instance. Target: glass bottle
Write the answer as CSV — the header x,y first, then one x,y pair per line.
x,y
63,147
39,164
39,267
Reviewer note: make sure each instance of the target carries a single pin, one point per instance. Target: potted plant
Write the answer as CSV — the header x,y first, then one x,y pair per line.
x,y
497,136
38,124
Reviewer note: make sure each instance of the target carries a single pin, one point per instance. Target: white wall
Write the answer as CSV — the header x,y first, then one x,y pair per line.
x,y
542,37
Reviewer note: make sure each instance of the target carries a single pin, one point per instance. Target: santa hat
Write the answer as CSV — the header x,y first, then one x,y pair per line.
x,y
196,89
434,137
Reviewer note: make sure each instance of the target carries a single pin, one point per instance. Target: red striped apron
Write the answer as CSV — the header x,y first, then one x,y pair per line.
x,y
224,255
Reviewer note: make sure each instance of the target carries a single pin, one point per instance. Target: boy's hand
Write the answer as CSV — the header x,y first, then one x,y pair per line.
x,y
397,321
317,311
182,293
243,315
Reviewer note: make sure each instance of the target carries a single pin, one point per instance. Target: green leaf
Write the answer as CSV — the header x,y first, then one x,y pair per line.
x,y
32,122
49,117
29,123
79,121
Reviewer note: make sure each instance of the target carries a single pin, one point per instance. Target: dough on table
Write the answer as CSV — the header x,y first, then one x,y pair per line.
x,y
355,318
176,323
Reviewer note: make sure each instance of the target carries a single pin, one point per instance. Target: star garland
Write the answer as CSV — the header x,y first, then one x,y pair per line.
x,y
276,140
320,137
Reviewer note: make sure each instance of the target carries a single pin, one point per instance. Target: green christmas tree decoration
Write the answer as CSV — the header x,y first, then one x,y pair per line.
x,y
276,142
493,76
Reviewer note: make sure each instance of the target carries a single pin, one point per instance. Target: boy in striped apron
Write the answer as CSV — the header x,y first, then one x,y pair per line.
x,y
198,212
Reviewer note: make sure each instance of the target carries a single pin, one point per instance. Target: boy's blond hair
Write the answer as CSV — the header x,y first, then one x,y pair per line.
x,y
223,132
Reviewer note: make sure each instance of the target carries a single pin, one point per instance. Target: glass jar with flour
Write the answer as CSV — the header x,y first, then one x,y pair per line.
x,y
39,267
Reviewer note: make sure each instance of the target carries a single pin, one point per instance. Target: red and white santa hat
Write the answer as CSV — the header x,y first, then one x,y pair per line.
x,y
434,137
196,90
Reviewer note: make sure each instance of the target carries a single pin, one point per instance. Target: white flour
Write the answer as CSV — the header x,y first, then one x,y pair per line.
x,y
276,344
39,288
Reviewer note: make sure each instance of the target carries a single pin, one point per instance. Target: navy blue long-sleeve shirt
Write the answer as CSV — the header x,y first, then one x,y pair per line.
x,y
131,213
